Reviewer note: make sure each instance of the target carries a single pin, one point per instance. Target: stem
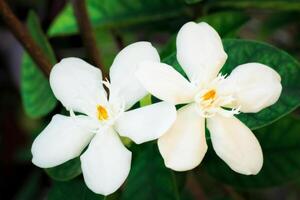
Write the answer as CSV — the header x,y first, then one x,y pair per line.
x,y
177,196
23,36
87,34
118,39
195,187
232,193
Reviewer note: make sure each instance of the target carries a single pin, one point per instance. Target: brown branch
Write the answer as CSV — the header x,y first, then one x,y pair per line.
x,y
23,36
118,39
194,187
87,34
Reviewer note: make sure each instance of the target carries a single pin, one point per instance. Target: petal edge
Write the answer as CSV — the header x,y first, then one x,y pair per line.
x,y
235,144
183,147
146,123
106,163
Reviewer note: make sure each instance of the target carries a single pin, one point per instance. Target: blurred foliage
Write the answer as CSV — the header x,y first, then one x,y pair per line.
x,y
119,13
30,189
225,23
119,22
276,21
265,4
37,96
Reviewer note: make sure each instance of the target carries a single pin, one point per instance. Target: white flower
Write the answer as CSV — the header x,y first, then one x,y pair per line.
x,y
249,88
78,86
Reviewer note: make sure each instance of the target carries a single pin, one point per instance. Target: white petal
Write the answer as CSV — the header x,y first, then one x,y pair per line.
x,y
200,51
77,85
254,86
184,146
164,82
235,144
146,123
123,82
63,139
106,163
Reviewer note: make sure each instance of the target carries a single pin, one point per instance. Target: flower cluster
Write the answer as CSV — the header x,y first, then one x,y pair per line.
x,y
97,119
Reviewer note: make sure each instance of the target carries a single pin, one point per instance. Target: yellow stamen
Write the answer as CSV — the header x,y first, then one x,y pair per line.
x,y
209,95
102,113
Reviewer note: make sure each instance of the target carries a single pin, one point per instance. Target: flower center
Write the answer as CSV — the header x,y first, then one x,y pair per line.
x,y
210,100
210,95
102,113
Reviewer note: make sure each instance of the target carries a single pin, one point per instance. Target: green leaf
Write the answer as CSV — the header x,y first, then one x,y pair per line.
x,y
244,51
37,96
74,190
147,100
266,4
65,171
118,14
281,148
149,178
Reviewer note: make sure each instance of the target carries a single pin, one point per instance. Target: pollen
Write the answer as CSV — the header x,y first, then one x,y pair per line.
x,y
102,113
209,95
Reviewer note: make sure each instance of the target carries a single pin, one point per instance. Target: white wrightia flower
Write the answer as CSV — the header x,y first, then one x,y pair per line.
x,y
78,86
249,88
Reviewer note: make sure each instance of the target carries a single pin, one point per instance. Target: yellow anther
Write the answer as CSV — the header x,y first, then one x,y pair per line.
x,y
102,113
209,95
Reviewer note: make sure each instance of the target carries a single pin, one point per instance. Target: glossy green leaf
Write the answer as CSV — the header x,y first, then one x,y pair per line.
x,y
73,190
37,96
265,4
65,171
244,51
118,13
149,178
281,148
